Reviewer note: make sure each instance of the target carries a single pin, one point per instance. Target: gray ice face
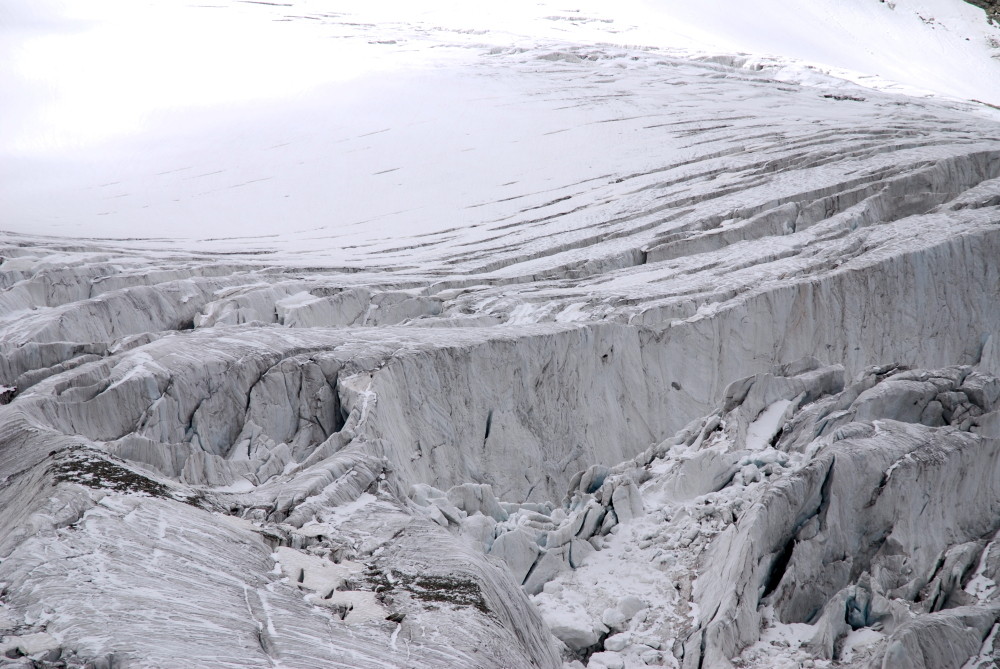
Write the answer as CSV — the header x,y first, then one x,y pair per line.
x,y
555,351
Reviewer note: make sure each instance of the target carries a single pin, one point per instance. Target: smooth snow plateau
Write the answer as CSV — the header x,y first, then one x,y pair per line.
x,y
309,127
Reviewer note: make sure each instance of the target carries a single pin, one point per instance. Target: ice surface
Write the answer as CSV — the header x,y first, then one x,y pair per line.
x,y
482,336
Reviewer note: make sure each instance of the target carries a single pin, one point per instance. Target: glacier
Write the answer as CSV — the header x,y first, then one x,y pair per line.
x,y
542,337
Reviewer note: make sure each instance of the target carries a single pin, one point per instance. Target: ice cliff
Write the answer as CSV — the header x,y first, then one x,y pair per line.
x,y
728,395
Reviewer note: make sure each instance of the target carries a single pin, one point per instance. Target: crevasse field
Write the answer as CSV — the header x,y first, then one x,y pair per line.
x,y
525,334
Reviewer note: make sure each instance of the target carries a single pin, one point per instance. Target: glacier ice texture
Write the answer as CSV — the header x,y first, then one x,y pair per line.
x,y
737,405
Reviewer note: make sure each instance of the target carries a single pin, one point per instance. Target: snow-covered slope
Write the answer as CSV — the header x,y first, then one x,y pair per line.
x,y
490,340
365,123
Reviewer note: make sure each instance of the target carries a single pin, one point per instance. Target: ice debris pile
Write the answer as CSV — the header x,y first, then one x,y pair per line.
x,y
804,521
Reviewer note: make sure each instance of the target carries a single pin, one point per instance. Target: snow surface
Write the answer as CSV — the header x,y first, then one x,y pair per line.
x,y
766,425
338,131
